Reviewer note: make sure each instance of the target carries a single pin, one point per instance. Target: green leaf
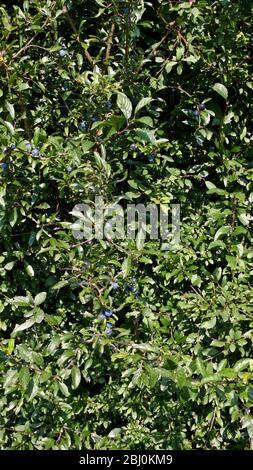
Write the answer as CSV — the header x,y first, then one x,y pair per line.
x,y
214,190
227,372
143,102
32,238
216,244
76,376
9,266
200,136
87,145
222,231
211,379
36,135
65,356
10,109
117,122
10,379
20,301
24,377
221,90
60,285
217,273
29,269
146,120
153,375
195,280
116,432
170,65
140,239
209,324
243,364
180,52
24,326
232,261
133,184
200,367
21,86
136,380
126,267
13,217
40,298
165,373
180,378
64,389
32,389
250,393
38,315
210,185
9,127
244,218
124,105
10,346
217,343
146,135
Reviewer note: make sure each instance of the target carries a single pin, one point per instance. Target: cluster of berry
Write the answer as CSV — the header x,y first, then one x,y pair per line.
x,y
200,107
104,315
84,124
4,165
35,152
151,157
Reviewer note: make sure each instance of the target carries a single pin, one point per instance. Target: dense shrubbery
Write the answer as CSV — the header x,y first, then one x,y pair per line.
x,y
105,344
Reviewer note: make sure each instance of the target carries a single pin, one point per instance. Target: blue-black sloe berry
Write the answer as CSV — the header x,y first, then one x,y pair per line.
x,y
4,166
107,312
62,52
108,330
82,126
102,316
35,152
151,158
201,106
114,285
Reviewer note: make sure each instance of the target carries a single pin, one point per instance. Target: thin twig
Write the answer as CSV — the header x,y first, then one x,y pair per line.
x,y
34,46
30,42
109,42
212,420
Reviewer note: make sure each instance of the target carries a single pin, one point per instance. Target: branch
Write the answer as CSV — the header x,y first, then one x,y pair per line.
x,y
29,42
27,46
109,42
73,27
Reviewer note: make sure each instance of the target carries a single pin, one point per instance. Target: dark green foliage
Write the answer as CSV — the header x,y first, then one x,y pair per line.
x,y
121,344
